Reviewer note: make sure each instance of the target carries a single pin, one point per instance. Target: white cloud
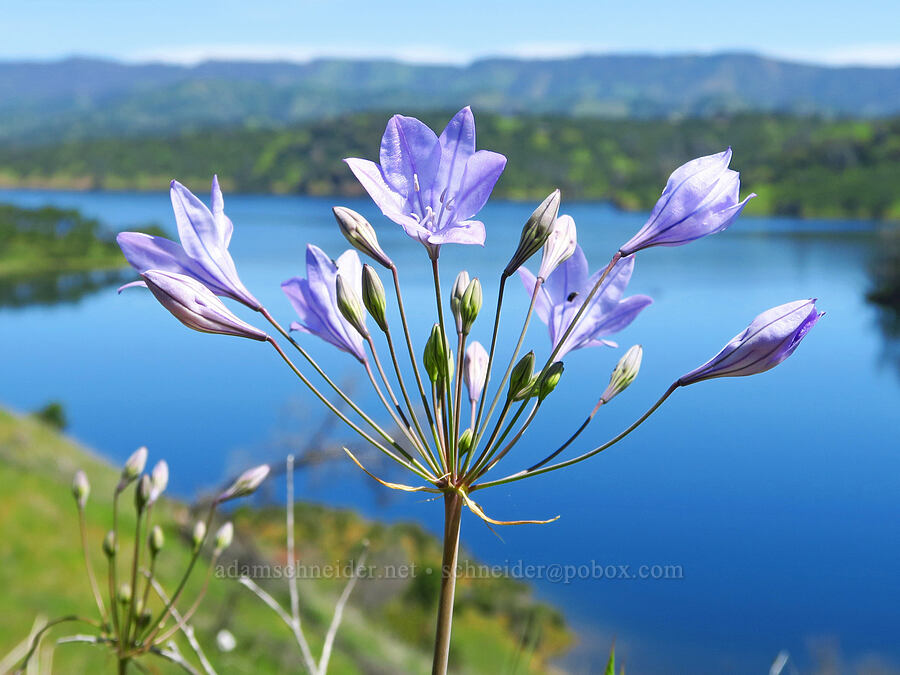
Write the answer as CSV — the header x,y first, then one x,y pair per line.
x,y
866,55
848,55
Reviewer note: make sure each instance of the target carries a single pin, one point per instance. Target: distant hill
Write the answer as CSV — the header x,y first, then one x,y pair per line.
x,y
79,97
799,165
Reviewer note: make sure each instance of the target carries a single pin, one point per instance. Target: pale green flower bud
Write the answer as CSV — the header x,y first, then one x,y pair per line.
x,y
143,618
198,535
470,305
456,295
124,594
156,540
246,483
110,545
159,479
81,489
466,441
438,357
142,493
360,233
624,373
521,380
373,296
224,537
535,233
351,306
550,379
133,467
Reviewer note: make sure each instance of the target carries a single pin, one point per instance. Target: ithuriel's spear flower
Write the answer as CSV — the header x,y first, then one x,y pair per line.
x,y
769,339
432,187
315,299
561,296
203,254
700,198
194,305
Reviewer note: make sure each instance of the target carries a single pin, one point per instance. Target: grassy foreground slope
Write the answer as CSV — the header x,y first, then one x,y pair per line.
x,y
387,627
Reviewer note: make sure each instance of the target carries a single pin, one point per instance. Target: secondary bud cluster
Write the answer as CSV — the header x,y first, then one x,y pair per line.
x,y
438,357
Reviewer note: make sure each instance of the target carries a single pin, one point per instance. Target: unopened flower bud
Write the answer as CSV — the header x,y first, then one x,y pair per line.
x,y
224,537
142,493
475,366
470,305
535,232
134,466
225,641
456,295
81,489
438,357
466,440
156,540
198,535
559,247
110,546
521,381
246,483
548,381
159,479
360,233
143,618
624,373
194,305
124,594
373,296
351,306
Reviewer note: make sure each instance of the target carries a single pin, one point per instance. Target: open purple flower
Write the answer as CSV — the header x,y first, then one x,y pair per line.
x,y
432,186
194,305
315,299
561,296
203,253
700,198
767,341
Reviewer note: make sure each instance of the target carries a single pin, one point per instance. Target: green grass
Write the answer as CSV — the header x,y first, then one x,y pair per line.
x,y
387,627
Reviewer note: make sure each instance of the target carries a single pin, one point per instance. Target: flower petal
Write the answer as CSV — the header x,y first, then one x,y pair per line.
x,y
410,156
542,303
464,232
372,179
457,146
481,174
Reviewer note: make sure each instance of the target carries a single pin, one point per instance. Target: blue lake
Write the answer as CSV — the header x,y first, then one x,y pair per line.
x,y
777,495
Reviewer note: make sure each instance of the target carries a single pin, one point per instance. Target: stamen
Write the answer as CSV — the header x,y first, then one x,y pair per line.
x,y
572,296
416,182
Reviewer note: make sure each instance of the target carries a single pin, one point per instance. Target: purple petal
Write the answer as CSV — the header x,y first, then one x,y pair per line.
x,y
542,303
457,146
372,179
464,232
570,277
481,174
204,238
410,155
224,226
622,315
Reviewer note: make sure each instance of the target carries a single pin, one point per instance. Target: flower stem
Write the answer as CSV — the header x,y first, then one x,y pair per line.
x,y
452,517
95,589
487,374
528,472
409,346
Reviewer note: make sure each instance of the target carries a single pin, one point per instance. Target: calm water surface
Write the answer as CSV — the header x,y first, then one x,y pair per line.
x,y
777,495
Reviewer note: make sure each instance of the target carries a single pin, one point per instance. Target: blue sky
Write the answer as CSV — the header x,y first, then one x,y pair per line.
x,y
828,31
